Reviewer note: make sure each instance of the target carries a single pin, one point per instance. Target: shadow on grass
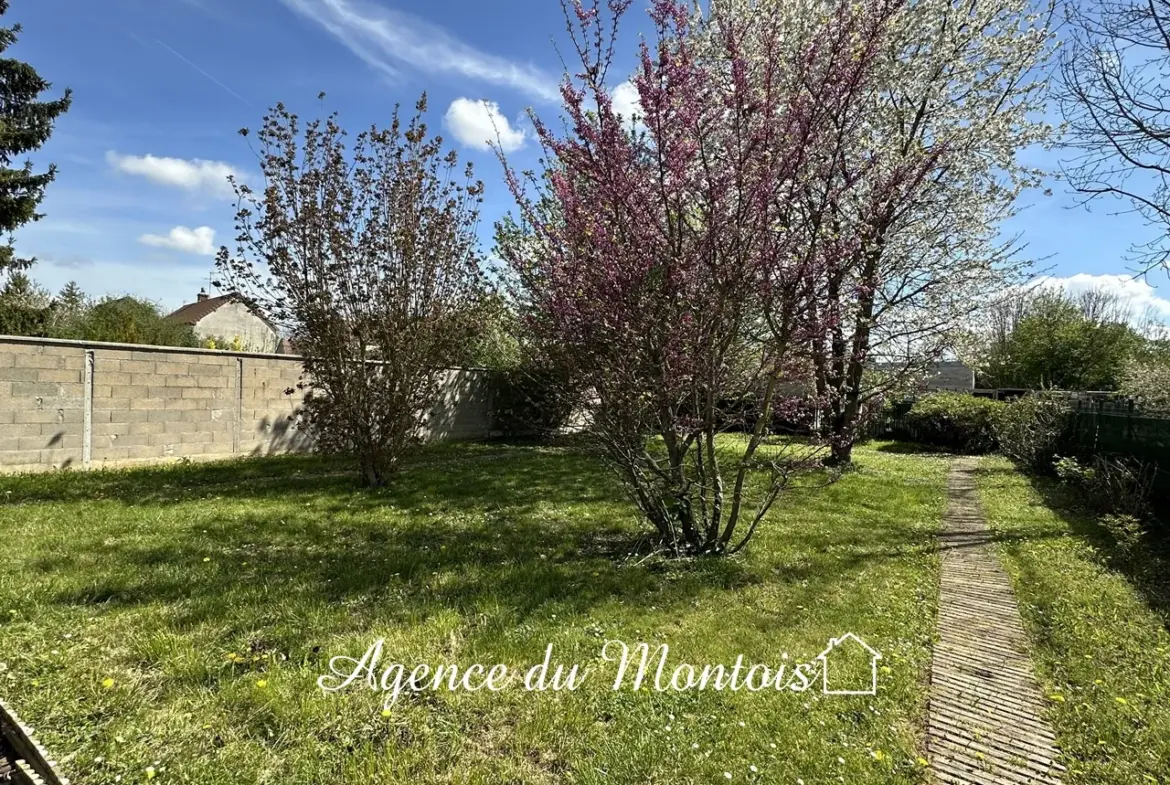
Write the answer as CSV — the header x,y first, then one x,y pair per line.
x,y
1145,566
910,448
493,531
408,573
483,526
245,477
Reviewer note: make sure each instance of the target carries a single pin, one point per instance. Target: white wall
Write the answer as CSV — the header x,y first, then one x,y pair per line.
x,y
233,320
950,376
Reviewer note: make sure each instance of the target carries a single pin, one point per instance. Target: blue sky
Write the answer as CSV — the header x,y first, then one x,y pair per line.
x,y
162,86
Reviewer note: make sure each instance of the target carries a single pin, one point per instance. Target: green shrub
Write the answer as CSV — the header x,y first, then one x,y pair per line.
x,y
1118,486
1031,429
130,320
1072,471
1129,533
956,421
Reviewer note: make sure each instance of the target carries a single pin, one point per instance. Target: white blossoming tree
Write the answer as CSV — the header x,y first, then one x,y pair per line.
x,y
928,169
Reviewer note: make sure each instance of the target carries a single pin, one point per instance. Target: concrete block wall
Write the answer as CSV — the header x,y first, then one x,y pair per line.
x,y
69,404
42,406
463,411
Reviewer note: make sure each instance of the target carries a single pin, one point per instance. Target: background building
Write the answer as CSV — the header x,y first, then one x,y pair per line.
x,y
230,322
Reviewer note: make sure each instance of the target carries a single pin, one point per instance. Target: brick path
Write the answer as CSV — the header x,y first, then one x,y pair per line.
x,y
985,722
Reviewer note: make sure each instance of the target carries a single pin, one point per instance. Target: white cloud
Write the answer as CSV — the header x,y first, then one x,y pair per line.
x,y
1136,293
479,123
67,261
199,241
625,101
193,175
383,37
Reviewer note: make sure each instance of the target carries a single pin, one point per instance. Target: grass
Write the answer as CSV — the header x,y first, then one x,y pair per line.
x,y
171,623
1097,616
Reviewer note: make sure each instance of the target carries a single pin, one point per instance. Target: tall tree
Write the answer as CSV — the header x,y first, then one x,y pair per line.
x,y
132,320
25,124
1115,100
1102,306
368,257
1066,342
71,297
24,306
69,311
653,258
910,211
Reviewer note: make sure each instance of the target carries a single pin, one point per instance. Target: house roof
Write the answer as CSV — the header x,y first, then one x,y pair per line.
x,y
192,313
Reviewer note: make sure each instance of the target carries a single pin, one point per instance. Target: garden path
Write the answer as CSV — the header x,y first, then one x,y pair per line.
x,y
985,723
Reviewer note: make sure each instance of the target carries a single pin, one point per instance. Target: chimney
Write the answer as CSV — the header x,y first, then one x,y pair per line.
x,y
202,296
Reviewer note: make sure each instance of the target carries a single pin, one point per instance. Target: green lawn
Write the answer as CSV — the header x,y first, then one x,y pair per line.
x,y
171,624
1098,623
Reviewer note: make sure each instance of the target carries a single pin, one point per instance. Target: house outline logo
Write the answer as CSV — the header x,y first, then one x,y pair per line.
x,y
874,656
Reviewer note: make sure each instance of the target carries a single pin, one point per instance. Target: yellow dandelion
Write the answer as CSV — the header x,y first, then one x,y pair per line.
x,y
262,683
923,762
150,772
385,712
107,683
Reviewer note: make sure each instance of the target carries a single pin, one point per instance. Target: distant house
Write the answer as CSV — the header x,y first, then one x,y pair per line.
x,y
230,322
950,375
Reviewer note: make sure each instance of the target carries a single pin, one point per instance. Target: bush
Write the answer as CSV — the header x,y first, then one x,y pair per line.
x,y
1030,430
1118,486
1129,533
1147,382
530,402
789,415
956,421
130,320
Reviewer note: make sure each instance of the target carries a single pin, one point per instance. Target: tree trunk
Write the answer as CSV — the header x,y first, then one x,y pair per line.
x,y
372,474
840,454
848,369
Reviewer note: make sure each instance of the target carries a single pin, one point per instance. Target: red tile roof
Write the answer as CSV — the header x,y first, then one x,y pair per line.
x,y
191,313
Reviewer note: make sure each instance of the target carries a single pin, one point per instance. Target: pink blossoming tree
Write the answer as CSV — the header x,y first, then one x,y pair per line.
x,y
671,260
